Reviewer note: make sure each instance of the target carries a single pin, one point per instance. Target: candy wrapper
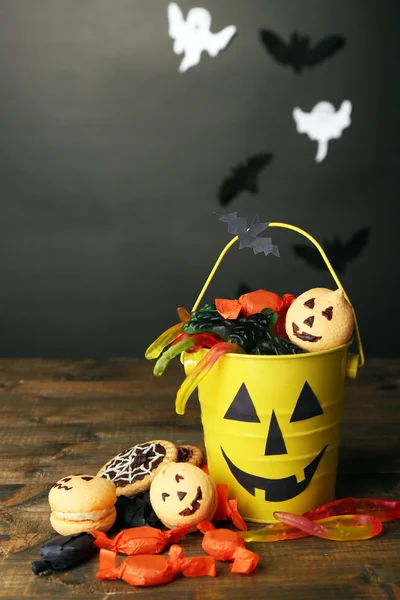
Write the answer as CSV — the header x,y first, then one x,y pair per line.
x,y
136,512
224,544
64,552
147,569
139,540
227,509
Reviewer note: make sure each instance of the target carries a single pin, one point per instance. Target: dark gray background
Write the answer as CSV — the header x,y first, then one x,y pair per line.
x,y
111,160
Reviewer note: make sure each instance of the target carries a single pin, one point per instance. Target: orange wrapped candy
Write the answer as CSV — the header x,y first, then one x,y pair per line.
x,y
147,569
227,509
249,304
224,544
255,302
139,540
229,309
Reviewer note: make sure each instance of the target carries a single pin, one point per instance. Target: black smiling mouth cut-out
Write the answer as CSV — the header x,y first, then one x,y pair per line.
x,y
276,490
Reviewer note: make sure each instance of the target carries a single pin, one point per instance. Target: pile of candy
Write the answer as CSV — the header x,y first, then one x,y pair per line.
x,y
157,482
259,323
254,324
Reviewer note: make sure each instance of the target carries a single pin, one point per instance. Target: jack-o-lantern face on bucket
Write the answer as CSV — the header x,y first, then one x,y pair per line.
x,y
320,319
272,428
183,494
276,489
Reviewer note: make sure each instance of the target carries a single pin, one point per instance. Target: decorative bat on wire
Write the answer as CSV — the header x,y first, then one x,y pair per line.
x,y
298,52
248,236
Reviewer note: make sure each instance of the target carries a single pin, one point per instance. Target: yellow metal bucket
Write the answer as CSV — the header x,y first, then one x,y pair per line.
x,y
272,423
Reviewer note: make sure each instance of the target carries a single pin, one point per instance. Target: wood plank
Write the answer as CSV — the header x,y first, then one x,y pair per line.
x,y
64,416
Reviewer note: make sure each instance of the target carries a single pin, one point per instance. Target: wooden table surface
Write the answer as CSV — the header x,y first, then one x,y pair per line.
x,y
60,417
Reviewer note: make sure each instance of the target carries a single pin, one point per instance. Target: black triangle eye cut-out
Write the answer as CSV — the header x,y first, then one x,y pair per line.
x,y
307,405
275,442
242,407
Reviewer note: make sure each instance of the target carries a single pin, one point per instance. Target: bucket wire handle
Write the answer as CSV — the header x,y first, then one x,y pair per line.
x,y
327,263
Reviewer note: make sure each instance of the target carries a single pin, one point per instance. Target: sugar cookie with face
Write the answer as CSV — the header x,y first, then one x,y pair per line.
x,y
183,494
320,319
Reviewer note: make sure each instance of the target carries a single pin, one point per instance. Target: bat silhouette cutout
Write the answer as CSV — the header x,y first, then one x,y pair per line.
x,y
339,253
243,178
298,52
248,235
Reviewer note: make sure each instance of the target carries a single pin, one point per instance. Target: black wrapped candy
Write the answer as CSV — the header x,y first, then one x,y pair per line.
x,y
64,552
136,512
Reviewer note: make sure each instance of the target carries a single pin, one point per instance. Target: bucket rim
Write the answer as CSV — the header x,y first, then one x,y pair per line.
x,y
238,356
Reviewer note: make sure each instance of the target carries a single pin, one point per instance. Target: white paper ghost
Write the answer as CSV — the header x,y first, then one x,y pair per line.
x,y
323,124
193,36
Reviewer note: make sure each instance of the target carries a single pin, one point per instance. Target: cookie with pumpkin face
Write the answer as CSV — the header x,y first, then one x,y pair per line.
x,y
320,319
183,494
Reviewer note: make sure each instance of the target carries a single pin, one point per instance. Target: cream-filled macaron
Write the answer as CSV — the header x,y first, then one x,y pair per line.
x,y
82,503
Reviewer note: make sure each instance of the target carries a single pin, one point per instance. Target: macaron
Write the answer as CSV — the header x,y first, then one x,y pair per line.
x,y
82,503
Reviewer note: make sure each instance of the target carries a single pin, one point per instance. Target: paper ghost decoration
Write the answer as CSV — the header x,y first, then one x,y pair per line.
x,y
193,36
323,123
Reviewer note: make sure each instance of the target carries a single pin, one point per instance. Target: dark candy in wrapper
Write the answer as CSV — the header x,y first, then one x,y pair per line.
x,y
136,512
64,552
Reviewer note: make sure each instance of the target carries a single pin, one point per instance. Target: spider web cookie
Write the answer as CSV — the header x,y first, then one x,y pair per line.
x,y
133,469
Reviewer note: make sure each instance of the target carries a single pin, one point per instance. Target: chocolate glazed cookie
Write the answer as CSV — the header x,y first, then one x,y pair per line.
x,y
134,469
190,454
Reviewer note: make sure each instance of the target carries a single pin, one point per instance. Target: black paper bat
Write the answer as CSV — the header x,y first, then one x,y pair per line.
x,y
248,235
298,53
338,253
64,552
243,178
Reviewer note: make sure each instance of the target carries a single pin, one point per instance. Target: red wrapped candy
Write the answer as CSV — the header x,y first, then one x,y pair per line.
x,y
147,569
224,544
139,540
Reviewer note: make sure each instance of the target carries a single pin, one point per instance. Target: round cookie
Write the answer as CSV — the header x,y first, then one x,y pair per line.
x,y
320,319
134,469
82,503
190,454
183,494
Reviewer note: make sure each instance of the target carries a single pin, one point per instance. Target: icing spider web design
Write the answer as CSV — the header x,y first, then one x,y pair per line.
x,y
134,464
